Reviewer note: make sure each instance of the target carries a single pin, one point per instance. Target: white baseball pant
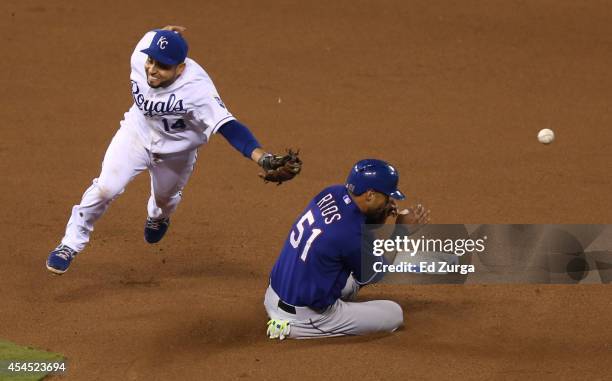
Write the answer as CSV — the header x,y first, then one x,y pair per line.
x,y
126,157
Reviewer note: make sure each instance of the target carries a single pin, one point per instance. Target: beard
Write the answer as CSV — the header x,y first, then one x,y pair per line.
x,y
165,83
378,217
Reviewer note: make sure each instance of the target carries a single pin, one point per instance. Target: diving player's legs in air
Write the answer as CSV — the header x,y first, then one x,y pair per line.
x,y
125,158
169,175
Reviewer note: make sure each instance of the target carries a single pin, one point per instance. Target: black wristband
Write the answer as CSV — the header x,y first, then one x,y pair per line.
x,y
264,161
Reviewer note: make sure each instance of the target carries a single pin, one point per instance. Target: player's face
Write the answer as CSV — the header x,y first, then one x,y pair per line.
x,y
378,206
161,75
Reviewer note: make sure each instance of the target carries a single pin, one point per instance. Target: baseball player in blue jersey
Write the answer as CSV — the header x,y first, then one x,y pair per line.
x,y
176,110
319,270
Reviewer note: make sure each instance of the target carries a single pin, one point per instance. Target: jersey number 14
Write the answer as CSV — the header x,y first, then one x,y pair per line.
x,y
295,239
178,125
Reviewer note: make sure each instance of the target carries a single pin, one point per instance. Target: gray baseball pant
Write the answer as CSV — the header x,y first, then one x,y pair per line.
x,y
343,318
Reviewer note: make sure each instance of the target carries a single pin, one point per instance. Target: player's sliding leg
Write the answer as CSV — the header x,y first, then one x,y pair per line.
x,y
340,319
351,319
124,159
169,175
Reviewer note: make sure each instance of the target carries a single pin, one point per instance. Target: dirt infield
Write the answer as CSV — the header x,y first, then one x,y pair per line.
x,y
453,93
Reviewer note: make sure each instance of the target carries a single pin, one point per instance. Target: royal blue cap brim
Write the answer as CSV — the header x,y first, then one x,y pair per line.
x,y
398,195
153,53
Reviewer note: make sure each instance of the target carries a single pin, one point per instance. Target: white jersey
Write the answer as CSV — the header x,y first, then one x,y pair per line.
x,y
176,118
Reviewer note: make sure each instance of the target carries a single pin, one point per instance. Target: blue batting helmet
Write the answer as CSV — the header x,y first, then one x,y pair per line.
x,y
374,174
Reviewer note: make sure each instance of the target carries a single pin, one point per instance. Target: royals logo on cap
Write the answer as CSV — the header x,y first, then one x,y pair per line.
x,y
167,47
162,42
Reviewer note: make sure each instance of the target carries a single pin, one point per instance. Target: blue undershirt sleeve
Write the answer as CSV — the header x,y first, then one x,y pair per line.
x,y
240,137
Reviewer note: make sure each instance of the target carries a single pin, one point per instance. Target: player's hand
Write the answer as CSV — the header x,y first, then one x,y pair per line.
x,y
392,209
414,215
175,28
280,168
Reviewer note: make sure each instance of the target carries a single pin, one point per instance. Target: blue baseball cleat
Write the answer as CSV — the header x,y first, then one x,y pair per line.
x,y
60,258
155,228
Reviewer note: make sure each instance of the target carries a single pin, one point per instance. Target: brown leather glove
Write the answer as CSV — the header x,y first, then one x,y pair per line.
x,y
280,168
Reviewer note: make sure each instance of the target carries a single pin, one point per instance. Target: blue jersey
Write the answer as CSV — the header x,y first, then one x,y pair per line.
x,y
321,251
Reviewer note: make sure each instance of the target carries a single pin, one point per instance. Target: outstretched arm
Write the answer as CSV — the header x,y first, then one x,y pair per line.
x,y
242,139
277,168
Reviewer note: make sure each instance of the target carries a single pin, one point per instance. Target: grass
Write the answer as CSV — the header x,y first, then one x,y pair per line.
x,y
13,352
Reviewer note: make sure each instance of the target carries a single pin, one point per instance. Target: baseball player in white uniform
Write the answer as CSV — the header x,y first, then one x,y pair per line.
x,y
176,110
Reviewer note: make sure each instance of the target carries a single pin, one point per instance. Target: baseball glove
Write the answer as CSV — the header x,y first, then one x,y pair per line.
x,y
280,168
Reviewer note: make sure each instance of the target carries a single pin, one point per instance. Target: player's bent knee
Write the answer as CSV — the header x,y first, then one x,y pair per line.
x,y
107,193
395,316
164,201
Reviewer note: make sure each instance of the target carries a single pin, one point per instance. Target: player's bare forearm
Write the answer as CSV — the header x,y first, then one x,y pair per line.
x,y
257,154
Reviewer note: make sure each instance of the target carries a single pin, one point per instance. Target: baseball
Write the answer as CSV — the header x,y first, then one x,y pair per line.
x,y
546,136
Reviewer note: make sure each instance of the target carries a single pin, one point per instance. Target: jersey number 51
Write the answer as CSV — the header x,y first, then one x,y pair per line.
x,y
296,238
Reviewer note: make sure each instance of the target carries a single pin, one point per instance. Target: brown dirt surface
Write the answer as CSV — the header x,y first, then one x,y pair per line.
x,y
452,92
